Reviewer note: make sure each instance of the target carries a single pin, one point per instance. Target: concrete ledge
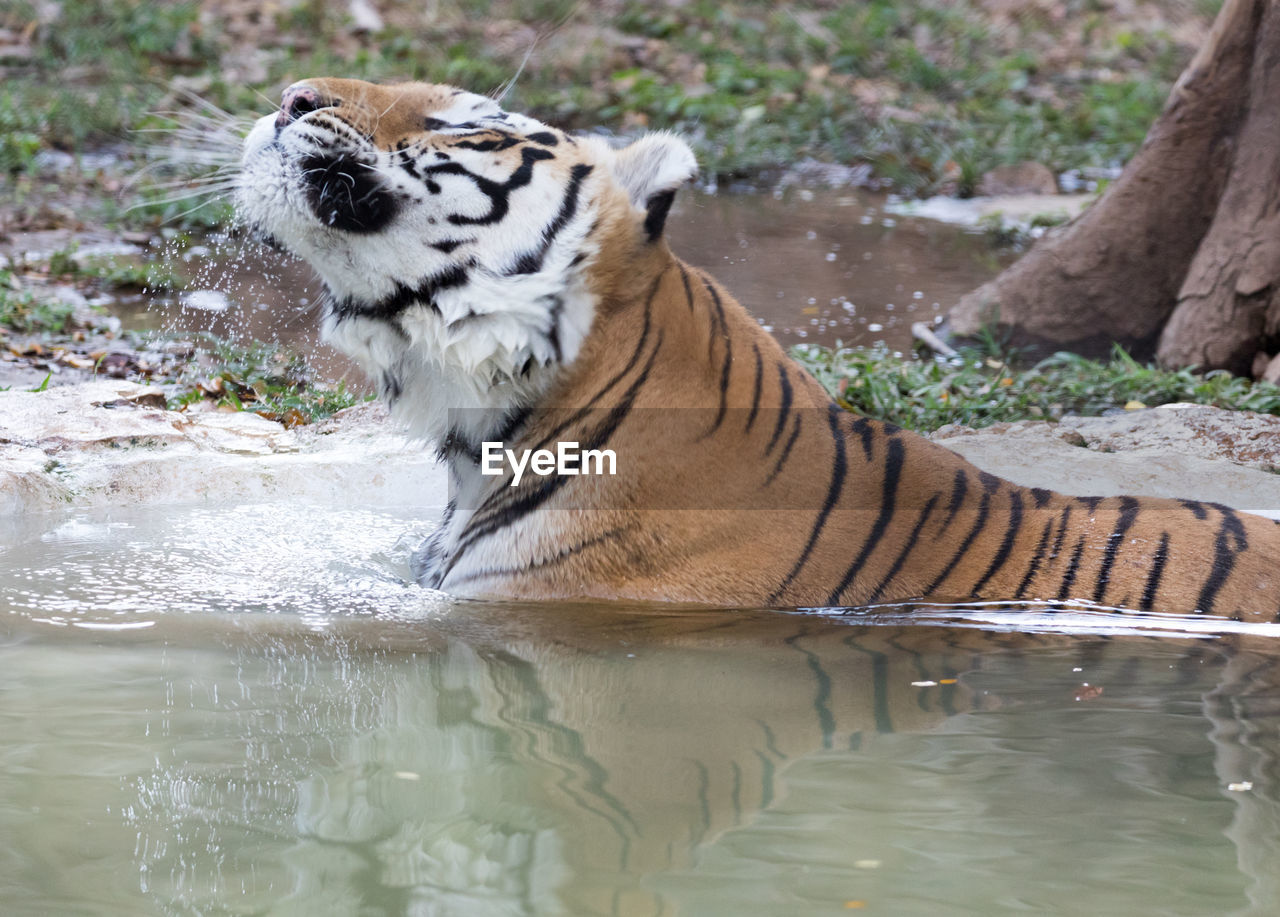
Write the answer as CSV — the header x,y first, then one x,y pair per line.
x,y
113,443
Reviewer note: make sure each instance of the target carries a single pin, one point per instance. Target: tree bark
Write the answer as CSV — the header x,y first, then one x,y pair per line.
x,y
1228,308
1191,229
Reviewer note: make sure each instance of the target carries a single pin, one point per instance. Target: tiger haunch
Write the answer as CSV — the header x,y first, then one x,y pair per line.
x,y
504,281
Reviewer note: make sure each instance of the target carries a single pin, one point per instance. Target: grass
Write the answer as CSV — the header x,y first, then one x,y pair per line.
x,y
23,311
149,276
97,67
109,273
984,386
262,378
754,85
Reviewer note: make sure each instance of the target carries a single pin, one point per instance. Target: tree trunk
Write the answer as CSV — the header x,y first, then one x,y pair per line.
x,y
1229,305
1183,250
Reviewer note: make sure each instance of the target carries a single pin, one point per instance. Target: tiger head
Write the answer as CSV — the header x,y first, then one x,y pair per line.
x,y
458,242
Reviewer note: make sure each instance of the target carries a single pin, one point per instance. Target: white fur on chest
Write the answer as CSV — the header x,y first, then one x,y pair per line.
x,y
505,347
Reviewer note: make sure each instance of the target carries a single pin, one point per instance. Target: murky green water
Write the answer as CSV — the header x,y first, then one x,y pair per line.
x,y
244,710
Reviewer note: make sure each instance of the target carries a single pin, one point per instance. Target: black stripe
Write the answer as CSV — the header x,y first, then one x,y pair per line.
x,y
1064,592
906,549
1157,572
755,394
728,353
1128,513
786,450
640,344
499,193
785,384
1196,507
1224,557
1006,546
688,290
888,502
984,508
531,262
838,470
1091,502
1041,496
505,142
1036,560
1062,532
866,433
724,387
717,319
958,490
448,245
402,297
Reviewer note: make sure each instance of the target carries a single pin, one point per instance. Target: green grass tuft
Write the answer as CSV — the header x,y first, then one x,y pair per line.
x,y
983,386
263,378
23,311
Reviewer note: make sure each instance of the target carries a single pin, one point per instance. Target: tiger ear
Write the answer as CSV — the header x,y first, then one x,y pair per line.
x,y
651,169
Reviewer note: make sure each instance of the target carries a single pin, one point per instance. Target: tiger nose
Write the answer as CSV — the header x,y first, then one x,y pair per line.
x,y
298,101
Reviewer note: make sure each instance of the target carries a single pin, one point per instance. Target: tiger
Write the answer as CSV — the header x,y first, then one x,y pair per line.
x,y
506,282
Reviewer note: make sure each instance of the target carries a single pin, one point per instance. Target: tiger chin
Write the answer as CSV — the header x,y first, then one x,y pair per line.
x,y
505,282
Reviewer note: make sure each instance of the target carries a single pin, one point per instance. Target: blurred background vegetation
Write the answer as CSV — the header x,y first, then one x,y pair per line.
x,y
923,96
931,94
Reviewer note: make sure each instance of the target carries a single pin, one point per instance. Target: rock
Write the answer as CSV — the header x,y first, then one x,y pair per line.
x,y
113,443
1187,451
1021,178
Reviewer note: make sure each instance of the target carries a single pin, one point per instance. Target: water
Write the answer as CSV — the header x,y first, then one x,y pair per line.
x,y
246,710
811,266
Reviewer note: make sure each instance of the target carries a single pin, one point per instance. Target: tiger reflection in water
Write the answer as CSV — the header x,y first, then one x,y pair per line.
x,y
542,760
